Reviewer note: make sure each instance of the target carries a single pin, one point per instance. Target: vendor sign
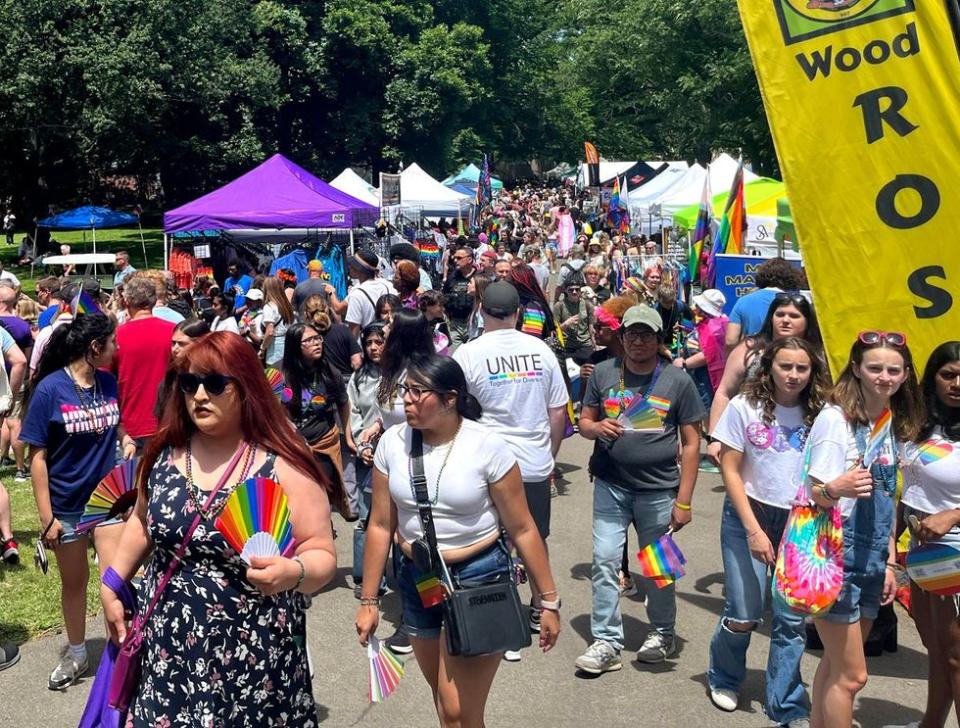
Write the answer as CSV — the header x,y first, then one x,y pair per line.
x,y
862,98
736,276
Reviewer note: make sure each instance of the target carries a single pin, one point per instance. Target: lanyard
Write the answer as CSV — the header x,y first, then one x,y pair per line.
x,y
650,386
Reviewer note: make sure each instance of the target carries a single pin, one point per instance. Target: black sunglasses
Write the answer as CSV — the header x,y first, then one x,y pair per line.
x,y
213,383
786,297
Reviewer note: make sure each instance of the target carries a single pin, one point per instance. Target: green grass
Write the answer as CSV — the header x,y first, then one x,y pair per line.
x,y
81,242
30,600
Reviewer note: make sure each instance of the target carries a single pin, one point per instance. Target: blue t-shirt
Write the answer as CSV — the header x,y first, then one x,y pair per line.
x,y
750,311
77,457
243,283
46,316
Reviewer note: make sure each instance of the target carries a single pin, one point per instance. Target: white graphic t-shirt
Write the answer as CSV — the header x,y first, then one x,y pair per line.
x,y
772,454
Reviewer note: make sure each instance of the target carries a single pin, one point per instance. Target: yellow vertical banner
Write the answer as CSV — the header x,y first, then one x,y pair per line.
x,y
863,100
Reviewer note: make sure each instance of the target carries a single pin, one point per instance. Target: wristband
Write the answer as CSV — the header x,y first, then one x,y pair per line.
x,y
303,572
553,606
370,602
892,565
682,506
115,583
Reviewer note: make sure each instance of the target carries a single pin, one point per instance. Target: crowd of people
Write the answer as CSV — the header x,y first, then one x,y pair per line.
x,y
463,378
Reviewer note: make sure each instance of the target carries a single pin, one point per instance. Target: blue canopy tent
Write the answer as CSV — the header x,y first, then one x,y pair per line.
x,y
470,177
93,218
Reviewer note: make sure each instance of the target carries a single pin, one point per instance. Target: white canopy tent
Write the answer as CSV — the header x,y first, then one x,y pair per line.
x,y
356,186
608,170
689,189
421,191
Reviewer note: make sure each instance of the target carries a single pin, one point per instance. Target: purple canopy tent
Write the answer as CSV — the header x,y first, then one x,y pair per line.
x,y
274,195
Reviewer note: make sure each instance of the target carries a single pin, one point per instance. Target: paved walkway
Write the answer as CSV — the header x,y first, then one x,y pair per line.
x,y
542,691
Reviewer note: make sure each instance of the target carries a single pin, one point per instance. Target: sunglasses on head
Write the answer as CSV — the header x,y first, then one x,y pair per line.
x,y
787,297
213,383
894,338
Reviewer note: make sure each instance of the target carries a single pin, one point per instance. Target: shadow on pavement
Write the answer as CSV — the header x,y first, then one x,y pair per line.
x,y
16,633
873,712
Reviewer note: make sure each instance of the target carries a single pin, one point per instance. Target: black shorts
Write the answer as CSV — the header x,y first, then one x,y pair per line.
x,y
538,502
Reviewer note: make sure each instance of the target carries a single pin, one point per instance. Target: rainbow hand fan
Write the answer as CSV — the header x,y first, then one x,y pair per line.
x,y
878,435
256,521
385,670
112,496
278,385
645,413
662,561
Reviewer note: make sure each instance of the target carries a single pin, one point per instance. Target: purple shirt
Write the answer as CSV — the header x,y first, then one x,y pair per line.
x,y
18,329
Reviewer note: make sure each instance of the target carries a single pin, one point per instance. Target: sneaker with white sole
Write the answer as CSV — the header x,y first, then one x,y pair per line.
x,y
512,655
21,476
805,723
399,641
724,699
914,724
9,655
599,658
657,647
67,672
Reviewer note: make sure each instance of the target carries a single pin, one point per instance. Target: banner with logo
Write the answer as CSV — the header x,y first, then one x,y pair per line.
x,y
863,98
389,189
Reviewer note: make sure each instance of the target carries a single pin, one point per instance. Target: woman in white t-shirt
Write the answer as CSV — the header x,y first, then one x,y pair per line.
x,y
762,433
475,490
277,316
931,494
223,310
878,381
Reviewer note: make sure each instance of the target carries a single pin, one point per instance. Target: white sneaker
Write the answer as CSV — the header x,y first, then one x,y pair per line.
x,y
914,724
600,657
657,647
726,700
512,656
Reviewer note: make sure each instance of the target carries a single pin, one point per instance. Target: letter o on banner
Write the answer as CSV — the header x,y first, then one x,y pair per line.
x,y
929,201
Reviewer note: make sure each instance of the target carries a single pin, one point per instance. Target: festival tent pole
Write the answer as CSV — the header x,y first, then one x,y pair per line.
x,y
352,249
166,255
143,244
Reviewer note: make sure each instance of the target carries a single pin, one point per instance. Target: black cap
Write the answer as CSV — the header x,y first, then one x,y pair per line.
x,y
404,251
500,299
365,260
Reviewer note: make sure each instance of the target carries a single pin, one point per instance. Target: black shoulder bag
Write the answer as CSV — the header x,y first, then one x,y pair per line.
x,y
477,620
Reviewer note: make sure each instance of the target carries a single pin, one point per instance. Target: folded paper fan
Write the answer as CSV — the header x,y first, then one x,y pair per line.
x,y
935,567
385,670
662,561
645,413
255,520
112,496
277,384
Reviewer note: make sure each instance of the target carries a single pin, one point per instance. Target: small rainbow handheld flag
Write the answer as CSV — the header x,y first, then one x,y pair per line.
x,y
83,303
662,561
878,435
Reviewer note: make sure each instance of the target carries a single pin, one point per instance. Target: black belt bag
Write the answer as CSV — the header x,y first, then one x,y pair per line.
x,y
477,620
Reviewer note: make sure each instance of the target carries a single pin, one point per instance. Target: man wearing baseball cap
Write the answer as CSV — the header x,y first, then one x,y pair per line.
x,y
518,382
314,285
639,410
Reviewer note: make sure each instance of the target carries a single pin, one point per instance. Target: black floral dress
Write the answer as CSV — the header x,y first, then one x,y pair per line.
x,y
217,653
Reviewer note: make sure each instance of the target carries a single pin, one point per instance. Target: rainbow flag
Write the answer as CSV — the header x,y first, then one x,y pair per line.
x,y
430,590
484,185
662,561
83,303
618,217
700,233
733,227
878,435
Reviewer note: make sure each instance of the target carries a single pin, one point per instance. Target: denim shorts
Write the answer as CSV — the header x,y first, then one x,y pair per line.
x,y
490,566
866,534
69,524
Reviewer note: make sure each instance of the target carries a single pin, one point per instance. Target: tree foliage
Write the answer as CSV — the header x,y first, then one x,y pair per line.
x,y
193,92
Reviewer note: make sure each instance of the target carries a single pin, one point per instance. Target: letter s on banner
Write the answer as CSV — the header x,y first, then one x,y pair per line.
x,y
862,99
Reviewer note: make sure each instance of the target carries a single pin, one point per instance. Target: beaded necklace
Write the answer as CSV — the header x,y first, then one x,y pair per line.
x,y
192,488
436,487
92,409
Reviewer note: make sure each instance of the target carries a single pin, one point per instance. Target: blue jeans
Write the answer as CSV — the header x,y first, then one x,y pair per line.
x,y
745,584
364,477
614,509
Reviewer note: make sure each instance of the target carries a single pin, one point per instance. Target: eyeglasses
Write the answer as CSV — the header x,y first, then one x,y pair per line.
x,y
213,383
311,340
416,393
573,289
644,337
894,338
461,257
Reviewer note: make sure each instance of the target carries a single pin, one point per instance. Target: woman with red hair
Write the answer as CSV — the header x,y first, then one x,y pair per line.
x,y
225,643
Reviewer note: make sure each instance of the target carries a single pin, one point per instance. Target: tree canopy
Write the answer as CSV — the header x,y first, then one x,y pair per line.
x,y
192,92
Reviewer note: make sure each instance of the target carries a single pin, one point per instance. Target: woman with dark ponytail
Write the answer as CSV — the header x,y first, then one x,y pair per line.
x,y
72,427
475,490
